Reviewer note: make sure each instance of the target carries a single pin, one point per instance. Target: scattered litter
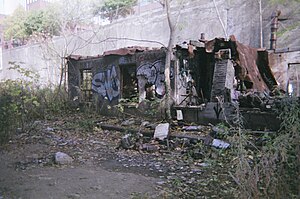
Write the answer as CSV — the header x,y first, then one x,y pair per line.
x,y
150,147
192,128
220,144
128,122
218,130
49,129
160,182
179,115
97,142
203,164
145,123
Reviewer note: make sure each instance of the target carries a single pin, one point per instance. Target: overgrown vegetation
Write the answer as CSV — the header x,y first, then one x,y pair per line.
x,y
55,20
113,9
21,24
270,169
61,17
22,102
288,29
262,166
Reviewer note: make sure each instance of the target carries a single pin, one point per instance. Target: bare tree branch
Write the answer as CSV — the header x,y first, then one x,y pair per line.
x,y
125,38
219,16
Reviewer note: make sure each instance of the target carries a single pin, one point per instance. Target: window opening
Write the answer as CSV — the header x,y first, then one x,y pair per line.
x,y
86,85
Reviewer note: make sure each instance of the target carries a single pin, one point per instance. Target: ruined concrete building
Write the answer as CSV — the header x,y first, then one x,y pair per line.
x,y
208,78
125,73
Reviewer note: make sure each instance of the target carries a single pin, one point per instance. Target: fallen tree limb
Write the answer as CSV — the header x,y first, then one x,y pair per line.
x,y
207,139
125,129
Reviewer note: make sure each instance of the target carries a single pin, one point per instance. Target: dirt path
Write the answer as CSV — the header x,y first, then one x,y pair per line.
x,y
101,168
27,168
71,182
79,181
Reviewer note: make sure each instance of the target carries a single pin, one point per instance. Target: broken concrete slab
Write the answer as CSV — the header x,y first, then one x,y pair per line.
x,y
62,158
161,131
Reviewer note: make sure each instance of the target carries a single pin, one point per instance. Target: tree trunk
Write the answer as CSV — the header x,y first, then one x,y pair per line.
x,y
62,68
61,77
168,63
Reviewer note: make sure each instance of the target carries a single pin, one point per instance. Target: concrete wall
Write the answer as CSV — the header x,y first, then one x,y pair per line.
x,y
239,17
31,58
279,63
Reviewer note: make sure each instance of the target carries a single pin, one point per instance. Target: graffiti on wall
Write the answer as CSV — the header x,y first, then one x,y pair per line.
x,y
154,73
107,83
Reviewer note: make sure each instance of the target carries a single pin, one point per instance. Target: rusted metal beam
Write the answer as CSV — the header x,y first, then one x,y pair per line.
x,y
274,28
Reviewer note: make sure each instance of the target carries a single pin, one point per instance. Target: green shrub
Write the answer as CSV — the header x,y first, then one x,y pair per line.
x,y
272,170
22,102
18,106
52,101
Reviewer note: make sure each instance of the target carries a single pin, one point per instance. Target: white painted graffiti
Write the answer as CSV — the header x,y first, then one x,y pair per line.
x,y
154,73
107,84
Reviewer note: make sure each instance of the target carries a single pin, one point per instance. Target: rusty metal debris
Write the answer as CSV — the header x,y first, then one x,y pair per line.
x,y
120,52
126,51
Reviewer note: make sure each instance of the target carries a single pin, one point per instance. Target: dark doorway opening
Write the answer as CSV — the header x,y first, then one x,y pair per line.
x,y
129,82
